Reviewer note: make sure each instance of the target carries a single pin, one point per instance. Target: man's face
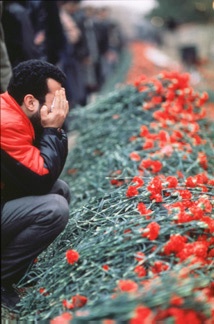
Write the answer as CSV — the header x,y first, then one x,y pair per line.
x,y
35,118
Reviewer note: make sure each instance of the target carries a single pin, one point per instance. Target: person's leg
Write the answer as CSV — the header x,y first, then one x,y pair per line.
x,y
61,188
29,225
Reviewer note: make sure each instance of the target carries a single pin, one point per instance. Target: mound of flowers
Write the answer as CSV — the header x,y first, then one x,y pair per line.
x,y
138,247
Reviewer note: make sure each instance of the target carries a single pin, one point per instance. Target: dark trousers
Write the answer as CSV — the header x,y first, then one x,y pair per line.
x,y
28,226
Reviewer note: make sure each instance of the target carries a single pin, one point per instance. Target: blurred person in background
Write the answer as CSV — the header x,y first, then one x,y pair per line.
x,y
49,34
34,201
93,63
110,41
19,32
5,66
72,59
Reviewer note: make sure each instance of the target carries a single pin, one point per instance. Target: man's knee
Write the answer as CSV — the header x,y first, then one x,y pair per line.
x,y
61,188
61,211
57,212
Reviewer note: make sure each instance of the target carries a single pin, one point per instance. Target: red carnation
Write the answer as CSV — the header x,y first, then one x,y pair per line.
x,y
144,131
142,315
134,156
131,191
139,182
79,300
152,231
105,267
148,144
175,244
172,182
67,304
159,266
140,271
72,256
64,318
185,194
127,286
143,209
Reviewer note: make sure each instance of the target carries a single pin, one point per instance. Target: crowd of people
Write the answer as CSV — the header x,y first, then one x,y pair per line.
x,y
80,39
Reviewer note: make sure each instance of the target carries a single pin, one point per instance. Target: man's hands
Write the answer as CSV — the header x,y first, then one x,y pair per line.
x,y
55,116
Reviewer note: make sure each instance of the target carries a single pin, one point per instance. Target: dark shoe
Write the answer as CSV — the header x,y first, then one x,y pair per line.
x,y
10,299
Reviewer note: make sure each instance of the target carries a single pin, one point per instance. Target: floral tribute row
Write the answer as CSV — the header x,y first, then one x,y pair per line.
x,y
187,198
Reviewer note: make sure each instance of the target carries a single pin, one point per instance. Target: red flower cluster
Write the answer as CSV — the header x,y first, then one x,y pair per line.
x,y
196,249
105,267
143,315
180,316
139,182
64,318
127,286
175,244
143,209
154,166
131,191
185,194
197,180
202,158
134,156
151,231
159,266
72,256
155,188
172,182
43,291
77,301
140,271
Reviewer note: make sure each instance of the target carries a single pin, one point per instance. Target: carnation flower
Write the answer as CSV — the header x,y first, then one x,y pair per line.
x,y
140,271
144,131
67,304
127,286
143,209
185,194
142,315
148,144
159,266
72,256
203,160
131,191
139,182
134,156
105,267
152,231
175,244
172,182
64,318
79,300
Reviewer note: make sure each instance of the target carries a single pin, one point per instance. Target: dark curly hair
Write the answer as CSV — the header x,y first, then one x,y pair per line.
x,y
30,77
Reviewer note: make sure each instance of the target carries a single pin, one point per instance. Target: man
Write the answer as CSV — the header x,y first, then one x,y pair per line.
x,y
35,203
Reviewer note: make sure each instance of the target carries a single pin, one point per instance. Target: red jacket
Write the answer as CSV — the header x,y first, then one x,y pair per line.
x,y
28,167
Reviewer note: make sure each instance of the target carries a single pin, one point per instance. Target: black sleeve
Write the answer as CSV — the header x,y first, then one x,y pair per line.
x,y
53,146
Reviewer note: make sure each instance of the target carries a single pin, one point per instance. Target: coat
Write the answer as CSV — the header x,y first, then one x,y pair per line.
x,y
28,167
